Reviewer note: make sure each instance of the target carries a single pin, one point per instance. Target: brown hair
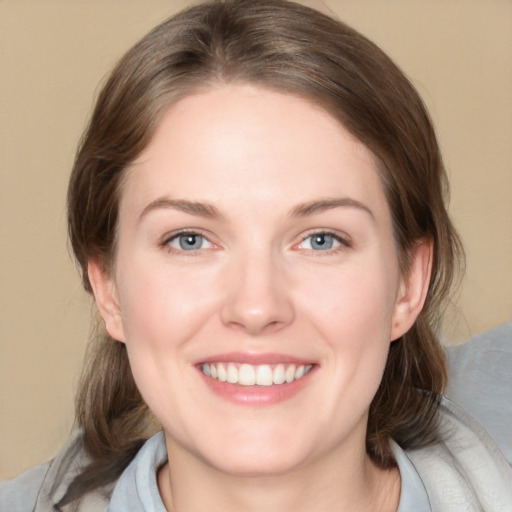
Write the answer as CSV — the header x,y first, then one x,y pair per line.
x,y
289,48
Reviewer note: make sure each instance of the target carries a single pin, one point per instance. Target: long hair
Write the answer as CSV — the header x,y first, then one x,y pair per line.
x,y
285,47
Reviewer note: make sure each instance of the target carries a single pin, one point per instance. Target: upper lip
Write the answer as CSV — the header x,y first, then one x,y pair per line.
x,y
255,358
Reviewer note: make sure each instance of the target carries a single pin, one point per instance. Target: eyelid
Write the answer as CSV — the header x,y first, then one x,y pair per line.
x,y
169,237
344,240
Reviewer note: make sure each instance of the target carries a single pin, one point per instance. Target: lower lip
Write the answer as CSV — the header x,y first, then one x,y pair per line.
x,y
256,395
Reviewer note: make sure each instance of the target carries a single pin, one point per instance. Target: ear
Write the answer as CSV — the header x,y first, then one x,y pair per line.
x,y
413,288
105,295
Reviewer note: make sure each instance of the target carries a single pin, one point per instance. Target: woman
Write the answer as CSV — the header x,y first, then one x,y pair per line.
x,y
257,207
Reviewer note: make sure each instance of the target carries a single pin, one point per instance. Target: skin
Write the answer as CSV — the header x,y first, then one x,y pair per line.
x,y
264,164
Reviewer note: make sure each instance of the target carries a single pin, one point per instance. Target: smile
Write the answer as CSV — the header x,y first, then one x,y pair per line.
x,y
255,375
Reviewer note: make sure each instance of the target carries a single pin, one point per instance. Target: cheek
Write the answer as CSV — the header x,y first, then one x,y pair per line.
x,y
162,311
160,304
353,311
355,300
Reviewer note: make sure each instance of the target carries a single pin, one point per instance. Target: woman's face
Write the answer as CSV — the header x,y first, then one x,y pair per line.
x,y
254,247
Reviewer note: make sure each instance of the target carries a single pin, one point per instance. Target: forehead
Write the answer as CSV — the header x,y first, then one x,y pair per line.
x,y
245,141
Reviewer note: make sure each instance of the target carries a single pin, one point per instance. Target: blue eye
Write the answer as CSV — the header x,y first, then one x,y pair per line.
x,y
320,242
189,242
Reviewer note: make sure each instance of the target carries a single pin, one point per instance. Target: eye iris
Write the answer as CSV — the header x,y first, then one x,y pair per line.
x,y
190,242
321,241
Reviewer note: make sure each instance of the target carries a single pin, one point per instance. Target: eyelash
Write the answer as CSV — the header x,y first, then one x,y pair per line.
x,y
166,243
343,242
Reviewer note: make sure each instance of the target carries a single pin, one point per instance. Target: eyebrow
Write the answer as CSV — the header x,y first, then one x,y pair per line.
x,y
209,211
192,207
321,205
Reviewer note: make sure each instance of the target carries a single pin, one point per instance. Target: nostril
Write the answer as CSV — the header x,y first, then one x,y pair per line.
x,y
258,322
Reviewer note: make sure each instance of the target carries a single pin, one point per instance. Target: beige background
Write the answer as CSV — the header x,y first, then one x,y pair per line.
x,y
52,56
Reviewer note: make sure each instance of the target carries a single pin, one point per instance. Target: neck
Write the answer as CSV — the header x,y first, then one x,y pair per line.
x,y
320,486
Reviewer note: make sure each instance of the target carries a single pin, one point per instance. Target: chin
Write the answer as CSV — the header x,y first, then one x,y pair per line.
x,y
264,465
258,456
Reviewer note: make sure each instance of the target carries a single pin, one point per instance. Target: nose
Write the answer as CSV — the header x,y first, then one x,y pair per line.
x,y
258,299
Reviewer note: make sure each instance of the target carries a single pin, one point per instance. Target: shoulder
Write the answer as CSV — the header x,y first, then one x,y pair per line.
x,y
483,353
40,488
480,380
465,469
20,494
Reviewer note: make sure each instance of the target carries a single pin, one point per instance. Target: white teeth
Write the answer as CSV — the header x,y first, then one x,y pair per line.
x,y
221,372
246,375
279,375
206,369
264,375
250,375
232,374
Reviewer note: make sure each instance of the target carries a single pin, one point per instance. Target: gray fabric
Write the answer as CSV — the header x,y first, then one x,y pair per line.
x,y
413,495
140,475
481,382
20,495
38,489
61,473
465,470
